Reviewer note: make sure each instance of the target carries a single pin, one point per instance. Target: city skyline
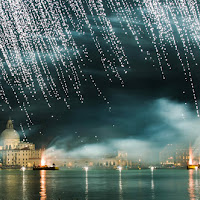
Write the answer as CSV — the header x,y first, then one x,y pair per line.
x,y
99,99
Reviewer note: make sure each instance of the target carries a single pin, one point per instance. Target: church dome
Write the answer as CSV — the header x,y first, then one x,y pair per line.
x,y
9,133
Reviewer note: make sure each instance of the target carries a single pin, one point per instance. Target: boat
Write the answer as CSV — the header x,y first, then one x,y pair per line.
x,y
45,167
192,166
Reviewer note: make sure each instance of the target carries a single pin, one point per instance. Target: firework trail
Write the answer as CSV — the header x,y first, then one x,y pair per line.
x,y
41,52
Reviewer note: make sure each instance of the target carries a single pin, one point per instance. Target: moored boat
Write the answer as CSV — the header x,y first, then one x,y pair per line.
x,y
45,167
192,166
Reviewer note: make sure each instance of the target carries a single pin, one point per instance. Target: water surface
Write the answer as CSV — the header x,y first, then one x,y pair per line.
x,y
100,184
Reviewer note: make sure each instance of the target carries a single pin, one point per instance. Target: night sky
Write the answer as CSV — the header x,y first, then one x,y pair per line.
x,y
150,99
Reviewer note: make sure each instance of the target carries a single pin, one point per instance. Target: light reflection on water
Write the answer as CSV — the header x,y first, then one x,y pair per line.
x,y
193,185
152,186
100,184
86,185
43,185
24,184
120,186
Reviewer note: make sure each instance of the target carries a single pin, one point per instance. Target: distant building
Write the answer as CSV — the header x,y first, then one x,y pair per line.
x,y
175,155
182,155
16,153
167,155
109,161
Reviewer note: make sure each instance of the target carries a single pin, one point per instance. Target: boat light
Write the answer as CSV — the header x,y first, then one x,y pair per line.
x,y
23,169
86,169
120,168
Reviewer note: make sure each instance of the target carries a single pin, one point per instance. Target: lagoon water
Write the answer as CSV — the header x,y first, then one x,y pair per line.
x,y
100,184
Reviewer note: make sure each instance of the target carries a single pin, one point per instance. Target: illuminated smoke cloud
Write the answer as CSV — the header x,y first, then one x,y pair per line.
x,y
173,124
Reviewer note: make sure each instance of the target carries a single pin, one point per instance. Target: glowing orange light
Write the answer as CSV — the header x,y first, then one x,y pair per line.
x,y
43,185
43,162
43,159
190,156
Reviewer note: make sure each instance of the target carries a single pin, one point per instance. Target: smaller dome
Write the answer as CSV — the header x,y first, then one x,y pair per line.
x,y
9,133
9,124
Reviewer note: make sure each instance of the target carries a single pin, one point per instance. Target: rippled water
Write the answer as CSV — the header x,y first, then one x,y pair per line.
x,y
100,184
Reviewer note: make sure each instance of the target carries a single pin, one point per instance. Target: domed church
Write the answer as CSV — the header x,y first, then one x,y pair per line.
x,y
15,153
10,137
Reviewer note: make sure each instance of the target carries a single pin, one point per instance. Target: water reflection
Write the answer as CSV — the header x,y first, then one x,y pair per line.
x,y
43,195
86,185
120,186
10,185
193,184
24,184
152,185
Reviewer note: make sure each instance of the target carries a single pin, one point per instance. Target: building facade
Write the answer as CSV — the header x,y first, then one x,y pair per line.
x,y
176,156
15,153
109,161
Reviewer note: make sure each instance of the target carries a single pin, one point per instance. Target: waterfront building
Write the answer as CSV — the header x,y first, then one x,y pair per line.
x,y
167,155
177,155
181,156
15,153
109,161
